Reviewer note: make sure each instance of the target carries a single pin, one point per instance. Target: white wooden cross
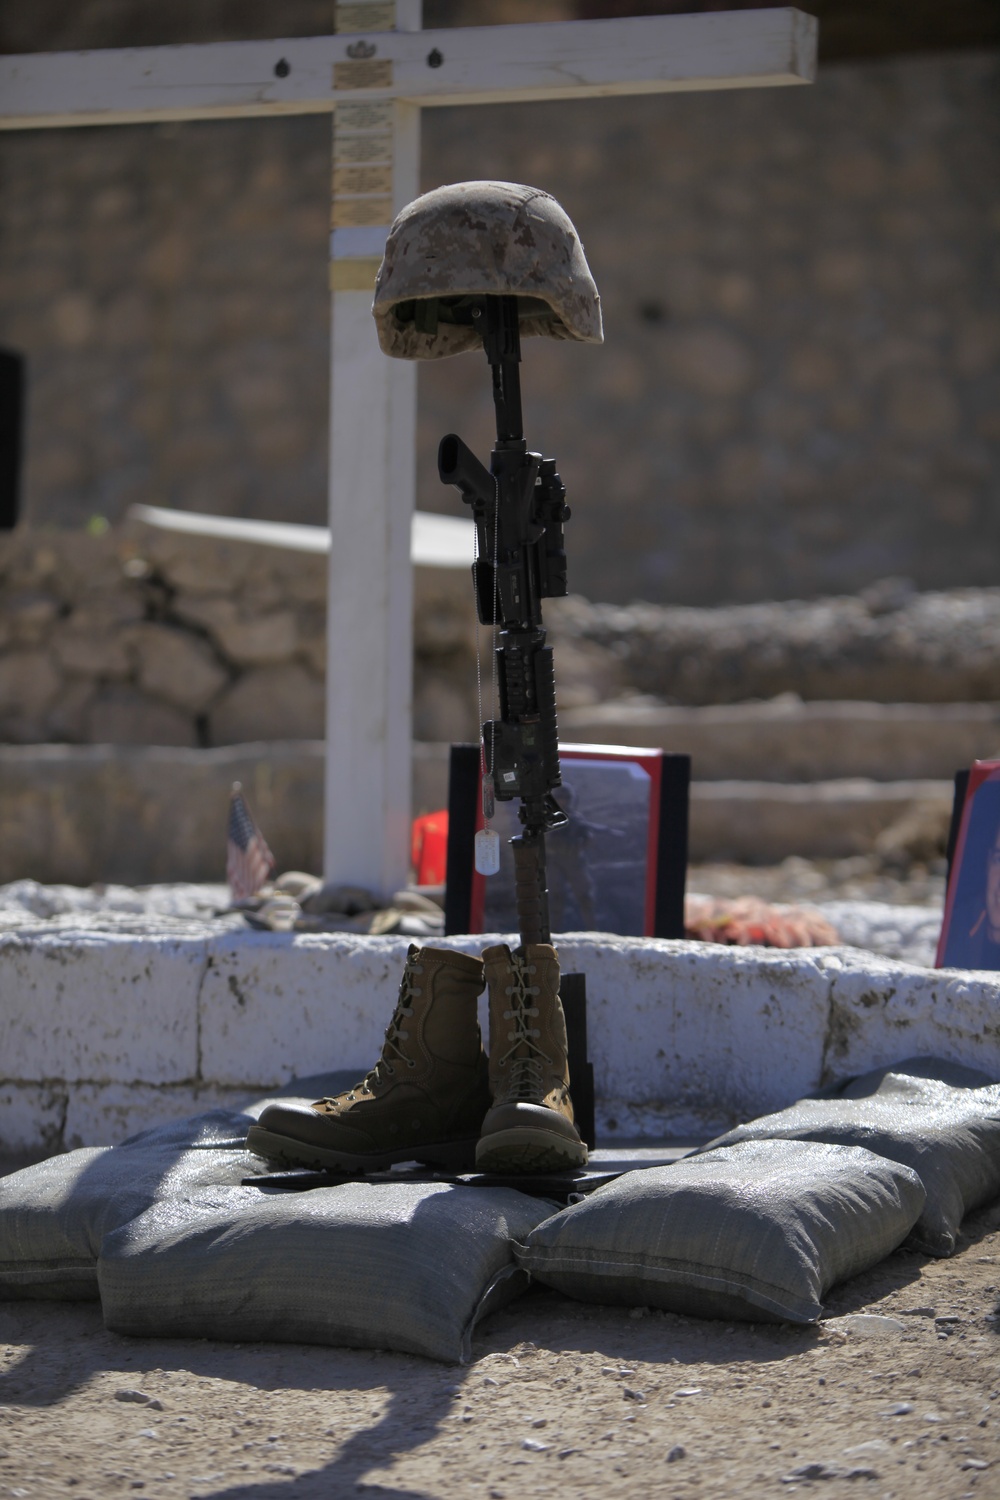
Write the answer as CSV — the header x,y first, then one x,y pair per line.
x,y
376,73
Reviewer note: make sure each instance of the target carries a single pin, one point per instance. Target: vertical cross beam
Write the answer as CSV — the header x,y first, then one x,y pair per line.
x,y
369,679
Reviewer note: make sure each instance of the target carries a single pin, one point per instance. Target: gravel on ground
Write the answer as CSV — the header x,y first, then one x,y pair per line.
x,y
894,1395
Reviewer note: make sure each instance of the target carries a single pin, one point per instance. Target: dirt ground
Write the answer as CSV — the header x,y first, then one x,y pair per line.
x,y
560,1397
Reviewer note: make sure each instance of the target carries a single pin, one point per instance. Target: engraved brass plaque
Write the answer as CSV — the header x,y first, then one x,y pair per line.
x,y
365,73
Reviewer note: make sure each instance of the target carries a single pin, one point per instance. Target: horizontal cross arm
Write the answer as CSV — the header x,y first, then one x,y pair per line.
x,y
462,65
631,55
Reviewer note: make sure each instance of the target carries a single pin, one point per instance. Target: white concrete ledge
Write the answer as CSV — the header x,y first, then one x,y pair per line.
x,y
103,1034
100,1007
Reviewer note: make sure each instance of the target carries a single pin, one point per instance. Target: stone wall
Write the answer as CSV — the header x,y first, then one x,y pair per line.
x,y
888,644
800,385
136,637
168,285
799,389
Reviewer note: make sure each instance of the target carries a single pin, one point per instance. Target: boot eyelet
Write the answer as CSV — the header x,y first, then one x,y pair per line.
x,y
410,1063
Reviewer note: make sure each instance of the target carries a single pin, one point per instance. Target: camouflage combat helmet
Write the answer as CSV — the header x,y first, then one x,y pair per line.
x,y
472,239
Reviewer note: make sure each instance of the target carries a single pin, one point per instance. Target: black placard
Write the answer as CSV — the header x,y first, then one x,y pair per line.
x,y
12,388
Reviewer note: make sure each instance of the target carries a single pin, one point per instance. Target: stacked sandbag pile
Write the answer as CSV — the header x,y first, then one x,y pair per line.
x,y
182,1233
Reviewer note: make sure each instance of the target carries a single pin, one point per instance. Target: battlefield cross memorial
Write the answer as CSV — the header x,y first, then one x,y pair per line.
x,y
375,74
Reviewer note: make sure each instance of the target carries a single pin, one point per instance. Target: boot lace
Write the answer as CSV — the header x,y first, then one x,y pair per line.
x,y
392,1049
395,1033
525,1082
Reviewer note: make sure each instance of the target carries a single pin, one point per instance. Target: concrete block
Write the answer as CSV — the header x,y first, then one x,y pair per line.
x,y
882,1011
678,1028
695,1033
31,1118
274,1005
105,1114
79,1006
105,1033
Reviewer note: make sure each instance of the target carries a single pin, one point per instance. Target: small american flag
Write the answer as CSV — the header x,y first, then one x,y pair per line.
x,y
248,859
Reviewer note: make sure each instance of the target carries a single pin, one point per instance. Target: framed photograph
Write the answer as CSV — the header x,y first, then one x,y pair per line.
x,y
618,866
970,932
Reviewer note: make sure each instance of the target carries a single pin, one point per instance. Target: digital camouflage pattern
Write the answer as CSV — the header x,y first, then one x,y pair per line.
x,y
482,238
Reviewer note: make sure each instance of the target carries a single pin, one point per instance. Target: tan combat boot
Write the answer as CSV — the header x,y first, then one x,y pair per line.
x,y
530,1125
425,1098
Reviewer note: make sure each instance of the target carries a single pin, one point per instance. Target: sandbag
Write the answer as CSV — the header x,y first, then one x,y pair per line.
x,y
407,1266
946,1131
55,1214
901,1076
758,1231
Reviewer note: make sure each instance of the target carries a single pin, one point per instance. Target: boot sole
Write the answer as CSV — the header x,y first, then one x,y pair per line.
x,y
283,1148
526,1150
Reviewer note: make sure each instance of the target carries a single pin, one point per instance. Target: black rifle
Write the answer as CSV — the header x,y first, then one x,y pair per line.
x,y
519,507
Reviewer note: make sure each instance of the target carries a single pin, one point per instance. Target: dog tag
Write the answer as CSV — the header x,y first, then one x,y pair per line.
x,y
488,807
487,851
